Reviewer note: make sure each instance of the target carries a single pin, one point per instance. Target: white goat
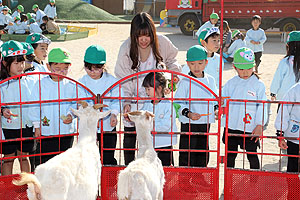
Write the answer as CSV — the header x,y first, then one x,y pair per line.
x,y
74,174
144,178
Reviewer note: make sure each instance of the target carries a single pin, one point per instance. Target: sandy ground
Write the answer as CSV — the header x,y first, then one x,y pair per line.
x,y
111,36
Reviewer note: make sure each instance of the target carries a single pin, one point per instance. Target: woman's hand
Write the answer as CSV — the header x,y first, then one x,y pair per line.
x,y
113,120
6,113
37,132
127,109
282,144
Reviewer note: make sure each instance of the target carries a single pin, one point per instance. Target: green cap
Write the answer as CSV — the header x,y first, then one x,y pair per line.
x,y
293,36
35,6
32,20
28,47
207,32
214,16
36,38
17,18
59,55
5,8
28,16
235,33
95,54
12,48
244,58
21,8
195,53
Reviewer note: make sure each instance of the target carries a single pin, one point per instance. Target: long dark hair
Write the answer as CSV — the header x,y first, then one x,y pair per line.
x,y
160,80
142,24
5,68
293,49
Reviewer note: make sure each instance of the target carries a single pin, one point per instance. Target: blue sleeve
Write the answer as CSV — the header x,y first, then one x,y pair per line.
x,y
248,37
164,124
182,92
263,39
261,112
115,104
278,78
46,10
232,48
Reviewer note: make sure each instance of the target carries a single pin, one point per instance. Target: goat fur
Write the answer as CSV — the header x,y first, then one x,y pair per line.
x,y
74,174
144,178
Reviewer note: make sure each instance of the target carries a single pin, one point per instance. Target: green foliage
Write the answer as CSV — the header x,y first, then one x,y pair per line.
x,y
72,10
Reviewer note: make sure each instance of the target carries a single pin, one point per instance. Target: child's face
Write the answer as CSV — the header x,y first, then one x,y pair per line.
x,y
59,68
150,91
244,73
51,4
213,21
255,23
95,73
45,22
36,9
144,41
212,44
197,67
16,68
5,12
41,51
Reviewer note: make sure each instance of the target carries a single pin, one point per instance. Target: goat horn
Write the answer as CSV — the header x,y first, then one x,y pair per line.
x,y
83,103
97,106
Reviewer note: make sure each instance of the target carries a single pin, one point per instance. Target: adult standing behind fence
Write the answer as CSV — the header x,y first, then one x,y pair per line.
x,y
143,50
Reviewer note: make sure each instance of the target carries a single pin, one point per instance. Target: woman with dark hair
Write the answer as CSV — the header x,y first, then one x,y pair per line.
x,y
144,50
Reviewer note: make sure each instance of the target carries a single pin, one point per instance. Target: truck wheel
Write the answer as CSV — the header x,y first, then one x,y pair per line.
x,y
290,25
188,24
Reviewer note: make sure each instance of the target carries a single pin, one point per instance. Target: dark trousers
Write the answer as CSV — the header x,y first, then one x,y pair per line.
x,y
129,143
199,142
109,141
249,146
293,165
257,58
166,157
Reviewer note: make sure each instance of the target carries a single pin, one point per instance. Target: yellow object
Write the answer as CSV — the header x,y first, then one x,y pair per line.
x,y
92,31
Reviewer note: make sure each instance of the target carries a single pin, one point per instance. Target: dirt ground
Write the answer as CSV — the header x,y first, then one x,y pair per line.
x,y
111,36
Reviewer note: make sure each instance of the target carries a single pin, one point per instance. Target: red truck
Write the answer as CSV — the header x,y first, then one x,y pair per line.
x,y
191,14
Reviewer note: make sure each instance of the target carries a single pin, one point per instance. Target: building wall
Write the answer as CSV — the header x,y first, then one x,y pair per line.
x,y
141,5
114,7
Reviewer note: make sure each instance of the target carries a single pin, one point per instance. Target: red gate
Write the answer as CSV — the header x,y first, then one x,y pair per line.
x,y
173,174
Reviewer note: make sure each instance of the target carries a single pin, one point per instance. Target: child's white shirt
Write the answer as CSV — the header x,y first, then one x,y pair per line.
x,y
165,120
207,24
197,91
50,11
257,36
284,78
35,28
39,16
213,67
288,117
239,43
249,89
99,86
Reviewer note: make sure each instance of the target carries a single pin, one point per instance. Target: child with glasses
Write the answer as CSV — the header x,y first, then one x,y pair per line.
x,y
98,80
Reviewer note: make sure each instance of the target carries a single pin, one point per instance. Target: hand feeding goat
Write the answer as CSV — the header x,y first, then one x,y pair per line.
x,y
74,174
144,178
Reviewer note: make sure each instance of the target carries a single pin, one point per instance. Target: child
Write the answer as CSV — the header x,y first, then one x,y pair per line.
x,y
18,27
51,26
18,12
29,57
213,20
98,80
34,27
190,112
226,36
287,73
245,85
53,119
39,14
165,116
1,6
50,10
5,18
238,42
255,38
40,43
15,121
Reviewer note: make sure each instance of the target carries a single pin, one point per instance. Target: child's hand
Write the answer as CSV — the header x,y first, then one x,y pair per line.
x,y
127,109
68,119
257,132
37,132
194,116
113,120
282,144
6,113
217,114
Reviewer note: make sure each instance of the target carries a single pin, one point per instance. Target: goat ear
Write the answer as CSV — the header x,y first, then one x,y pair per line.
x,y
83,103
149,115
97,106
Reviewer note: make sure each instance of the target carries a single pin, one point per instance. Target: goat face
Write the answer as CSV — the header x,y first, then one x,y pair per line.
x,y
140,117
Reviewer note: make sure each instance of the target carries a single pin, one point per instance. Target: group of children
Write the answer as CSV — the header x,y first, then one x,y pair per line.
x,y
203,61
19,23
